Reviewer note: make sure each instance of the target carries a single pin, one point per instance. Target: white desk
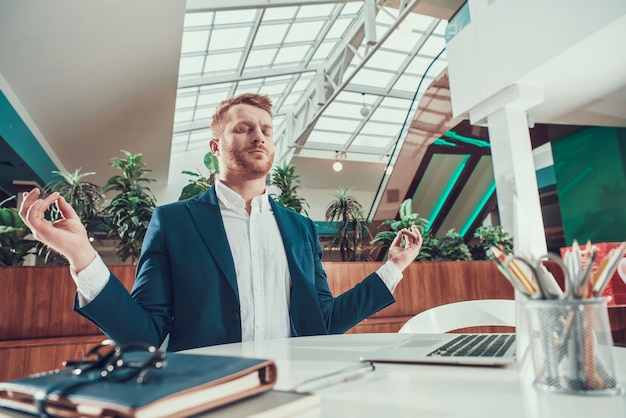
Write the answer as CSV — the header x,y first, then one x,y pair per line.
x,y
396,390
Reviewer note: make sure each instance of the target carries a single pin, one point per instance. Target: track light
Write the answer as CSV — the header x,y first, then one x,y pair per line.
x,y
338,165
364,110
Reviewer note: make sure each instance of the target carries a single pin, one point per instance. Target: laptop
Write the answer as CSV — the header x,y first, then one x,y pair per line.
x,y
458,349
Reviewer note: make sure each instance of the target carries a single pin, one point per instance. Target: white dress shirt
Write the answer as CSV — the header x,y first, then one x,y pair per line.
x,y
263,280
260,264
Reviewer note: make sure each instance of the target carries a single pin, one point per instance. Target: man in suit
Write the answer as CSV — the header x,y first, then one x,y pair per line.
x,y
226,266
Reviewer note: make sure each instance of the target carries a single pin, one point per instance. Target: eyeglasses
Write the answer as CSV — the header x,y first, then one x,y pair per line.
x,y
119,362
107,360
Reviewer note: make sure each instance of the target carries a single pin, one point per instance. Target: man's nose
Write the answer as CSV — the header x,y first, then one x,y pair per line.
x,y
258,135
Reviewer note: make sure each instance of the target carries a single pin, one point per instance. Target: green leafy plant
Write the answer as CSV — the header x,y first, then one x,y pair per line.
x,y
451,247
14,244
351,225
285,178
491,236
199,183
407,219
131,209
430,248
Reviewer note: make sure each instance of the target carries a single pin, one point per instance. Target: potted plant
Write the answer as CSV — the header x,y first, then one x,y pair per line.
x,y
452,248
131,209
199,183
285,178
14,244
491,236
351,225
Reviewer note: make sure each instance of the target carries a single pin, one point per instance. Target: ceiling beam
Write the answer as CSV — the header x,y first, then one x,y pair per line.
x,y
338,81
198,6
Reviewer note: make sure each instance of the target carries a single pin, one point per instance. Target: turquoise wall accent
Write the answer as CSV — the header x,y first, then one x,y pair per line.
x,y
590,172
17,135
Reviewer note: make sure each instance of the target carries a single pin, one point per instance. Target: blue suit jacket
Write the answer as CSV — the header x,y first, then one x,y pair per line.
x,y
186,285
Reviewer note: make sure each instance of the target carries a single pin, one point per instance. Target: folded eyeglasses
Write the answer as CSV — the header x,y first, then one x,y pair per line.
x,y
106,361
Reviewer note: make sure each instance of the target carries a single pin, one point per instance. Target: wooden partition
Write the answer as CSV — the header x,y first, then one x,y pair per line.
x,y
38,326
424,285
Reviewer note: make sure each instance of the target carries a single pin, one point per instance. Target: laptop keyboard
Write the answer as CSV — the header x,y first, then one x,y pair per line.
x,y
476,345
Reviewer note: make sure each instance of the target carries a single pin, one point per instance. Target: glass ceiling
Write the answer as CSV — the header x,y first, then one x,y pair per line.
x,y
319,64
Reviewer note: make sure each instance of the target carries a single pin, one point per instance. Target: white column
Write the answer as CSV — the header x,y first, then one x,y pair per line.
x,y
516,180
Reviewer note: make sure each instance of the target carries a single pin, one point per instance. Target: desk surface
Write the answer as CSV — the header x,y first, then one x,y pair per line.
x,y
397,390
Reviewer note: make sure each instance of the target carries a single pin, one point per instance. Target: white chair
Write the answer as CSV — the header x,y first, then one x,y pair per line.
x,y
471,313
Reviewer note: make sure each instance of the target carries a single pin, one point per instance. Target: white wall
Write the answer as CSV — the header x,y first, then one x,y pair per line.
x,y
511,38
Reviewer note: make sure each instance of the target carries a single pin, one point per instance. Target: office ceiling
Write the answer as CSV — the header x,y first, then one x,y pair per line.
x,y
91,79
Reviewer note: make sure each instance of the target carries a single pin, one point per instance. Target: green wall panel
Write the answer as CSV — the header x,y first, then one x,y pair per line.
x,y
590,172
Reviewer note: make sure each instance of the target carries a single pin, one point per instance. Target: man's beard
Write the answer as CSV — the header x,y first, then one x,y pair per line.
x,y
237,163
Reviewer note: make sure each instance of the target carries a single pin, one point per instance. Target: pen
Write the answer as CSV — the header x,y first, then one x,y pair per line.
x,y
350,373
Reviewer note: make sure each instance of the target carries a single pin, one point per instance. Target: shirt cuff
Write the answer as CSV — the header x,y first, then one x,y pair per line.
x,y
91,280
390,274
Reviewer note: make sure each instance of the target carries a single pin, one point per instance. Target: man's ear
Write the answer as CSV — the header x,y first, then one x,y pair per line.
x,y
214,146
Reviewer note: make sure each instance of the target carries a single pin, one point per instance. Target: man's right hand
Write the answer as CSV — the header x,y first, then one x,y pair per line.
x,y
68,235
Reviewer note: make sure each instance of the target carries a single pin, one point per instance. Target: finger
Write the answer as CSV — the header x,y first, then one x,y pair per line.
x,y
67,211
35,213
28,198
398,239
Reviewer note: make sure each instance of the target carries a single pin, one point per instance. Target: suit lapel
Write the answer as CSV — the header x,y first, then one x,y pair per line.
x,y
206,215
289,236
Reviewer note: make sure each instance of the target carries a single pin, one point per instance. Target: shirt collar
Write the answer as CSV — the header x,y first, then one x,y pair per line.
x,y
232,200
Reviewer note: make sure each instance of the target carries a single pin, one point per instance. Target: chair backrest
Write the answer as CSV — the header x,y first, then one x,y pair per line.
x,y
471,313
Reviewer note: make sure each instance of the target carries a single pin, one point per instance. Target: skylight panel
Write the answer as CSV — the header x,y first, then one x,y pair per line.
x,y
292,54
327,137
344,109
180,139
201,135
371,141
301,85
190,66
280,13
235,16
402,41
441,28
316,10
323,51
227,62
372,78
273,89
352,8
418,21
386,60
198,19
408,83
227,38
337,124
182,116
260,58
185,101
395,103
339,28
212,98
270,34
194,41
419,64
388,115
304,31
381,129
433,46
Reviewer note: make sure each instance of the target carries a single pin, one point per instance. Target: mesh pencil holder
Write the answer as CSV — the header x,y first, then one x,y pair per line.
x,y
571,346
